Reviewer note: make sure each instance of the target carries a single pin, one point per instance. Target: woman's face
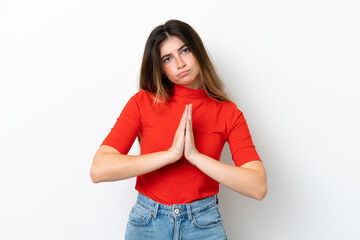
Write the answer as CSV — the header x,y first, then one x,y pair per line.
x,y
179,64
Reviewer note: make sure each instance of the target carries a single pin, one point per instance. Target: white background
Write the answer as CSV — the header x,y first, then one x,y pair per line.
x,y
68,67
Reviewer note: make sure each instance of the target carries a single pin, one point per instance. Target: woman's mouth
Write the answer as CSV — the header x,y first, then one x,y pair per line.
x,y
183,73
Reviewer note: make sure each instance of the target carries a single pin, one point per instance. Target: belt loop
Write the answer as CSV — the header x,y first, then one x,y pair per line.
x,y
189,212
216,199
154,213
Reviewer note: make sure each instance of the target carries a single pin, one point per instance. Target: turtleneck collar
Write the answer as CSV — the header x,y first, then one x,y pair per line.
x,y
180,91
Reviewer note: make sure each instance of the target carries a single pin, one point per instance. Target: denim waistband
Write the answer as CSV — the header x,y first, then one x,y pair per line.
x,y
177,210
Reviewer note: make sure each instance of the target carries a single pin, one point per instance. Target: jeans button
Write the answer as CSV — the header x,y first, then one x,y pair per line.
x,y
176,211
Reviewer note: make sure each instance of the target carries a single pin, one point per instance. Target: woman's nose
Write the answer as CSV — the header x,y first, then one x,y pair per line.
x,y
180,63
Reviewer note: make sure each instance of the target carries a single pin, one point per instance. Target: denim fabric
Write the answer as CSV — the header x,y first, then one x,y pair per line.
x,y
200,219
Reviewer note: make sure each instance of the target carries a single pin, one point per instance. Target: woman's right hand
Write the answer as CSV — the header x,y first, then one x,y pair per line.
x,y
110,165
176,151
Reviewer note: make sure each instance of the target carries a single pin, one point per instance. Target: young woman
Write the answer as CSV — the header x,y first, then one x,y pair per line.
x,y
183,119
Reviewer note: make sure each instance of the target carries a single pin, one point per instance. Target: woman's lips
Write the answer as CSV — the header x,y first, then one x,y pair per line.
x,y
183,74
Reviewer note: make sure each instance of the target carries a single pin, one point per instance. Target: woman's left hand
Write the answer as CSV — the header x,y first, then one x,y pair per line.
x,y
249,179
190,148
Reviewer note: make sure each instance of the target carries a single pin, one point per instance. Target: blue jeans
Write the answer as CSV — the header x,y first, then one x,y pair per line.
x,y
197,220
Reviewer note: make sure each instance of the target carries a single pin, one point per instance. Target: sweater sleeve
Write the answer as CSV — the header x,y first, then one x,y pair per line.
x,y
126,128
239,139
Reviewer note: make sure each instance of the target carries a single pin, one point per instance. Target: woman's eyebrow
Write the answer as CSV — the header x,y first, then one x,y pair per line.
x,y
177,50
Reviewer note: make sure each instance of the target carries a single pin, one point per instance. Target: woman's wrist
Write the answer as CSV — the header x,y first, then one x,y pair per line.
x,y
172,156
194,157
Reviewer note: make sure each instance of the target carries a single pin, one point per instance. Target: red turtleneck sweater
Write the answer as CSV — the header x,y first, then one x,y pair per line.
x,y
214,123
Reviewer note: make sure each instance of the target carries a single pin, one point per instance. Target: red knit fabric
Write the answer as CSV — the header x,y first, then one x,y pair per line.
x,y
214,123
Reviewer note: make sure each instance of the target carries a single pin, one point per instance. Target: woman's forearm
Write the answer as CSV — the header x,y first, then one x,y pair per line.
x,y
249,179
108,167
246,181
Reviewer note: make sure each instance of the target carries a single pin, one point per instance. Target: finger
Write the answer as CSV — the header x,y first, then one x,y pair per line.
x,y
189,119
185,111
190,113
182,124
185,114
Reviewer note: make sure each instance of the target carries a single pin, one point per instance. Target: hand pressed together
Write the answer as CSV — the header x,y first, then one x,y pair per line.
x,y
184,143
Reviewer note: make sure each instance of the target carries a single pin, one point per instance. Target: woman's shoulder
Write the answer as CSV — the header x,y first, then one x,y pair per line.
x,y
225,105
143,95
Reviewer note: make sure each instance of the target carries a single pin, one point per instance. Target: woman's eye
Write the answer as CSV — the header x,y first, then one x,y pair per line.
x,y
167,59
186,50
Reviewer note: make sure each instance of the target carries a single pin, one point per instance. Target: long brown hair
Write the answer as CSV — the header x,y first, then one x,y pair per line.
x,y
153,80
